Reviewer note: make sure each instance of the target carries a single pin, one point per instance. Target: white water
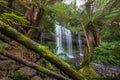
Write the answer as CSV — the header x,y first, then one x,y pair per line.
x,y
41,38
63,35
78,2
58,31
80,45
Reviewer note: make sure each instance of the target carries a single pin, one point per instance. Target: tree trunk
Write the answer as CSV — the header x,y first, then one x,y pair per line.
x,y
30,13
93,37
97,37
10,2
36,19
33,66
41,50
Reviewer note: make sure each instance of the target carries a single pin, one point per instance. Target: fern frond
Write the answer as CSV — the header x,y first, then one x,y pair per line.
x,y
106,53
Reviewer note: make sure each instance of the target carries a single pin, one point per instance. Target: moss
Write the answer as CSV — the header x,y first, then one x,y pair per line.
x,y
49,66
21,38
42,71
89,73
13,19
42,51
45,50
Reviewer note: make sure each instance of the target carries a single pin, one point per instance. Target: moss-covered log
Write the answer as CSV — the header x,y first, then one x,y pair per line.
x,y
41,50
33,66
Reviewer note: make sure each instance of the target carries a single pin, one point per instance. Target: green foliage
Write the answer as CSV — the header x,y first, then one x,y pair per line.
x,y
13,19
47,24
113,13
18,76
58,11
107,53
48,65
64,14
22,8
110,34
71,17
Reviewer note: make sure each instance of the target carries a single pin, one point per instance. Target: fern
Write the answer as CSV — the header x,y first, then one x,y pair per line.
x,y
107,53
108,31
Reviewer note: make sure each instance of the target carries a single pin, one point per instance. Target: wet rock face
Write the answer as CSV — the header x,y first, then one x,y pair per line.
x,y
106,70
28,71
5,66
3,74
36,78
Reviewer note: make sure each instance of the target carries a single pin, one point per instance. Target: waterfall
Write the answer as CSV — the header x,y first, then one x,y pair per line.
x,y
41,38
80,45
58,31
68,40
63,37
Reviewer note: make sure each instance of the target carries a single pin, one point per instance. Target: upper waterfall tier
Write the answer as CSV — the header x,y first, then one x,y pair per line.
x,y
63,37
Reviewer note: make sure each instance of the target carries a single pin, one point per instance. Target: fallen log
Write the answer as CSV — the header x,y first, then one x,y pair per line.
x,y
41,50
33,66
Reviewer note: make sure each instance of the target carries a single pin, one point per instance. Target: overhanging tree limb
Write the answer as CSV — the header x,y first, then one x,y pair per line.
x,y
33,66
41,50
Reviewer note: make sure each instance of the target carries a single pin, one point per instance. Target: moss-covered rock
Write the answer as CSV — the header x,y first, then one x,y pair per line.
x,y
89,73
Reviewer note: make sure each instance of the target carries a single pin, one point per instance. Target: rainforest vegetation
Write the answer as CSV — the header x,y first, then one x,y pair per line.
x,y
59,39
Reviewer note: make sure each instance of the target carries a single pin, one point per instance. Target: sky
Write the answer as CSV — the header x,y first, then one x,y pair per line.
x,y
78,2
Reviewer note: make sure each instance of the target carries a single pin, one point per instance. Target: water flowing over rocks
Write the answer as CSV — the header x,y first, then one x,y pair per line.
x,y
63,37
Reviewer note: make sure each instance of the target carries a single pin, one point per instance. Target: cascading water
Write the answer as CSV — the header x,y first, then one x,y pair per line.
x,y
68,40
63,35
58,31
41,38
80,45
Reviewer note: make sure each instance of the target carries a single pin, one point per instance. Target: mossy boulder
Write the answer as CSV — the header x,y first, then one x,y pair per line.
x,y
89,73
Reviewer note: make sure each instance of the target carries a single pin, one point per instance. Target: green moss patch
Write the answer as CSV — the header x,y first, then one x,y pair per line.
x,y
89,73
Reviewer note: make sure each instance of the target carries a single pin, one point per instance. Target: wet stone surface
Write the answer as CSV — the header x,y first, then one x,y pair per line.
x,y
101,68
106,70
28,71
